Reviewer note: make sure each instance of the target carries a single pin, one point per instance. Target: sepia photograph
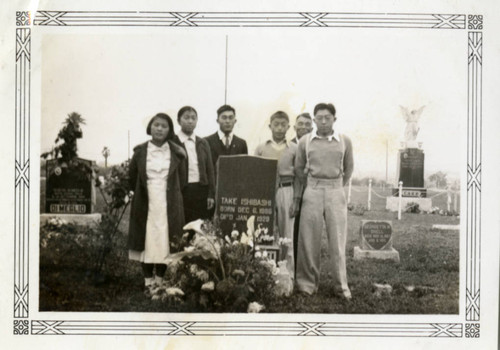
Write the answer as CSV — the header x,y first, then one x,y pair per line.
x,y
269,173
288,174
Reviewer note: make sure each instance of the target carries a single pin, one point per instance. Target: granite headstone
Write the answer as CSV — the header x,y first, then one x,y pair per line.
x,y
375,241
246,187
411,167
68,191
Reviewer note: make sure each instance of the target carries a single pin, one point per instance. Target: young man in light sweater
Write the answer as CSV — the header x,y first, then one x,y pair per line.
x,y
323,165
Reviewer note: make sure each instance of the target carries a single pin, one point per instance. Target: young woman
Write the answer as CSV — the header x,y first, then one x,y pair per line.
x,y
157,176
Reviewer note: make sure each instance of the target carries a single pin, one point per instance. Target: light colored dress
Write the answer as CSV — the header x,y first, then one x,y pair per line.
x,y
156,247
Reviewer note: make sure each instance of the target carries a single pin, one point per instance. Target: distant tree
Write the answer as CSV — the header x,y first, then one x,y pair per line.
x,y
105,153
69,133
439,179
65,149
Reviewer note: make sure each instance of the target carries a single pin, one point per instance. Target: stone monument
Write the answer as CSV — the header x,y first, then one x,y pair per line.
x,y
410,167
246,187
69,185
375,241
69,193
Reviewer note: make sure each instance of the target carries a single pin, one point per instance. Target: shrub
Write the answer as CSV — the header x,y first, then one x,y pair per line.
x,y
412,207
359,209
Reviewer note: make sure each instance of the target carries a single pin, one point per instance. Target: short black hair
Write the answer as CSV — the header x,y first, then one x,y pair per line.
x,y
184,110
304,115
170,134
327,106
225,108
280,115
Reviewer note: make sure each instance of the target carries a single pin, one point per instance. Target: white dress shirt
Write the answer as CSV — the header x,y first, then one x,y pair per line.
x,y
223,136
190,144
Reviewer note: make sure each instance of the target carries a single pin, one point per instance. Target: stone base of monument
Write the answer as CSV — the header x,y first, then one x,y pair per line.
x,y
392,203
80,219
360,254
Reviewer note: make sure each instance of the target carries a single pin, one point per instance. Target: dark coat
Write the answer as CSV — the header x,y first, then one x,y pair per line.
x,y
205,164
217,147
139,208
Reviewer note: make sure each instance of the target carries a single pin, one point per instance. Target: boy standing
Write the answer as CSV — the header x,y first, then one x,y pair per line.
x,y
284,152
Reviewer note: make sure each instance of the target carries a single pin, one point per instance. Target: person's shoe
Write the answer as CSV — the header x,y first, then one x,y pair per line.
x,y
346,295
303,293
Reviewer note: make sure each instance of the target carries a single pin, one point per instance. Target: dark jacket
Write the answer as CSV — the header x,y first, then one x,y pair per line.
x,y
237,146
139,208
205,164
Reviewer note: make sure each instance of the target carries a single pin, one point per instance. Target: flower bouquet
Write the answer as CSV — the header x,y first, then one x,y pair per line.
x,y
220,273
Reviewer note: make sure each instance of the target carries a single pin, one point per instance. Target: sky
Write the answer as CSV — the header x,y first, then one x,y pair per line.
x,y
118,82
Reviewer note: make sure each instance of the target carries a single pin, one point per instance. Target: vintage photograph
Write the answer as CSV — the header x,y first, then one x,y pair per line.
x,y
252,171
277,176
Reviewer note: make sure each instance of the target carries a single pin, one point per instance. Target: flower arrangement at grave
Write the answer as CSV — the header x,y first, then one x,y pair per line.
x,y
220,273
65,150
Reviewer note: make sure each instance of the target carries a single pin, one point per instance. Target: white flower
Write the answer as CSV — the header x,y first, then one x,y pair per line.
x,y
102,181
234,234
174,291
244,238
202,275
189,249
255,307
238,272
264,254
228,240
126,199
258,254
193,269
251,226
195,226
209,286
155,297
284,240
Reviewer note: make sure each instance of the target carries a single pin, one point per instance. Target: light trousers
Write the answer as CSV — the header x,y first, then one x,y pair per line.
x,y
284,200
323,200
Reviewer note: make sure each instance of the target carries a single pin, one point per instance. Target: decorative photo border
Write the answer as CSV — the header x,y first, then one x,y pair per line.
x,y
472,24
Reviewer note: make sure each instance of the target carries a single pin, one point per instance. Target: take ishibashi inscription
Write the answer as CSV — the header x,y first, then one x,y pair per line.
x,y
245,188
376,235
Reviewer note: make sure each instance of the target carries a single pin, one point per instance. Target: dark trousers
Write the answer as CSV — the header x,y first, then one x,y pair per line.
x,y
195,201
296,226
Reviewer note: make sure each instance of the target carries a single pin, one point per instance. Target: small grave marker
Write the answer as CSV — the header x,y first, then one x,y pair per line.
x,y
375,241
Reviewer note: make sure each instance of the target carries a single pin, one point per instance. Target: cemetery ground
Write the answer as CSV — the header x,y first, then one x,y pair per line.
x,y
426,281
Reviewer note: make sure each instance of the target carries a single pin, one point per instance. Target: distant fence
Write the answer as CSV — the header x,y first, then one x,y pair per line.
x,y
450,202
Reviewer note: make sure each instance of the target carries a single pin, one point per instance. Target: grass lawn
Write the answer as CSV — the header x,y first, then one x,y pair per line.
x,y
429,263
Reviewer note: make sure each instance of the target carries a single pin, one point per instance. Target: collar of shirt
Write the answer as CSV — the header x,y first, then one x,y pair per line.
x,y
183,137
222,136
335,136
281,144
154,147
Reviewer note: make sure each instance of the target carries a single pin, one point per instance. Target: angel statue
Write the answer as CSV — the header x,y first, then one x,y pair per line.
x,y
411,118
